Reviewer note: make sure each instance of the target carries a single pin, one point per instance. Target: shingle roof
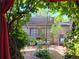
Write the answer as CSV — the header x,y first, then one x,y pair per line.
x,y
65,23
40,20
46,21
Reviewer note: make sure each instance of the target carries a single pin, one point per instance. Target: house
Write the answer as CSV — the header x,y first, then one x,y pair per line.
x,y
60,36
40,27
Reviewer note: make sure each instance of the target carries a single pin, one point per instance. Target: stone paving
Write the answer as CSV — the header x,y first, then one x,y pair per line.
x,y
57,52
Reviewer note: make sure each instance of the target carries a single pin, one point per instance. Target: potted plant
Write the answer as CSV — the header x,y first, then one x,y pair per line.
x,y
43,54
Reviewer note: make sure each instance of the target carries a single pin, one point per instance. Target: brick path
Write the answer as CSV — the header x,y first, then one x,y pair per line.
x,y
56,51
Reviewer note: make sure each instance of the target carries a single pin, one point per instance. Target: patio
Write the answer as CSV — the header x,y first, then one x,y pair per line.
x,y
56,51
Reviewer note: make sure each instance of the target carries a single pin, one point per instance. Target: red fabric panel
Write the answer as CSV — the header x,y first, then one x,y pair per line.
x,y
77,0
4,42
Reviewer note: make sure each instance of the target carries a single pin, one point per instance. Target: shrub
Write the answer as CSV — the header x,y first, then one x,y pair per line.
x,y
43,54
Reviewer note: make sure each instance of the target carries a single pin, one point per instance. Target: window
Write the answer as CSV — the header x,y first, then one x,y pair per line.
x,y
61,39
34,33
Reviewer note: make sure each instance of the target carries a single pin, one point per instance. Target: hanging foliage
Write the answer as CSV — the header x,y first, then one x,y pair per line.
x,y
22,10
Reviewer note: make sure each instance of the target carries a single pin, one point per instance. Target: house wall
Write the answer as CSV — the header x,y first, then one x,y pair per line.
x,y
56,39
34,31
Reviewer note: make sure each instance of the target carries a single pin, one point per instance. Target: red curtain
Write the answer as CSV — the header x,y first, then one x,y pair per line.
x,y
4,42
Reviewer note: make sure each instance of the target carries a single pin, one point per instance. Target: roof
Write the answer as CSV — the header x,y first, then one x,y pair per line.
x,y
45,21
66,23
40,20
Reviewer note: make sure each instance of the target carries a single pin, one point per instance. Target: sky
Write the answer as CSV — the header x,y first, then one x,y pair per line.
x,y
55,14
44,12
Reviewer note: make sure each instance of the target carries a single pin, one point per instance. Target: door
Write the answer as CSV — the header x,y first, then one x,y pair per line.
x,y
61,39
